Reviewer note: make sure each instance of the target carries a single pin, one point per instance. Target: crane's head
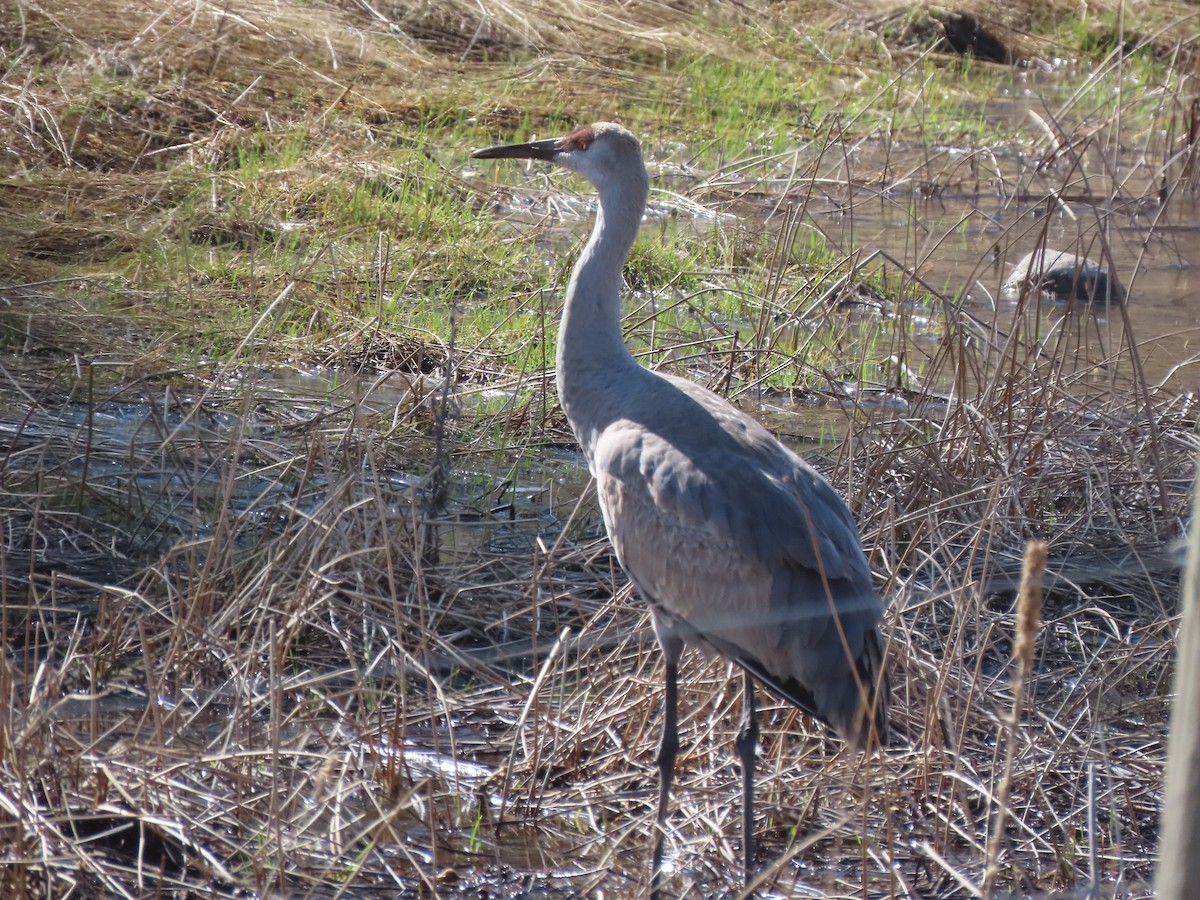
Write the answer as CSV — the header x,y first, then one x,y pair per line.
x,y
600,153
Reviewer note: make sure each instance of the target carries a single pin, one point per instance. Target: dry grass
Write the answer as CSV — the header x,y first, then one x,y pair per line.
x,y
255,646
268,679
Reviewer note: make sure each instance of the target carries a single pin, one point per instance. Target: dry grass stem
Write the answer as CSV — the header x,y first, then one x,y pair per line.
x,y
1029,611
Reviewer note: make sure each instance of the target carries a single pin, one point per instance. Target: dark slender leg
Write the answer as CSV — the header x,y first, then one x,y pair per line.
x,y
667,751
747,746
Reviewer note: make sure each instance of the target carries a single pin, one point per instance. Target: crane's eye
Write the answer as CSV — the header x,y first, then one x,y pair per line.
x,y
579,139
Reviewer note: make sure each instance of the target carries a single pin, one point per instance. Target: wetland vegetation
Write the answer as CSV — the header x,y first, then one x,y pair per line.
x,y
302,587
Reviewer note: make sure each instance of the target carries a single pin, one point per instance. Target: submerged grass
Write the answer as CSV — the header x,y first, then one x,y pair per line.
x,y
302,587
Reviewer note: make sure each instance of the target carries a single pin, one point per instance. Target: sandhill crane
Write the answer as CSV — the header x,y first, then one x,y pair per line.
x,y
737,545
1063,276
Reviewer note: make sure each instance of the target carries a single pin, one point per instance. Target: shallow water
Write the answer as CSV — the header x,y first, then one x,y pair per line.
x,y
966,246
957,218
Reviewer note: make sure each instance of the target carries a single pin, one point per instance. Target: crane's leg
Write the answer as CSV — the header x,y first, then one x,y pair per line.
x,y
667,751
747,747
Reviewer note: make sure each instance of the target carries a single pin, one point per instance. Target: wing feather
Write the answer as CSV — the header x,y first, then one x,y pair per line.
x,y
740,545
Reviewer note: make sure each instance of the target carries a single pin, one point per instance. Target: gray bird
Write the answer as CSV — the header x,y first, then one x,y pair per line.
x,y
738,546
1063,276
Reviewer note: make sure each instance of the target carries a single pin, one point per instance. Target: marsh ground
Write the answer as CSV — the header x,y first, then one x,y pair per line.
x,y
303,588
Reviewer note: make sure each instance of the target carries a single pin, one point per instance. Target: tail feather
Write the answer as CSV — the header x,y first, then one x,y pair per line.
x,y
864,722
871,719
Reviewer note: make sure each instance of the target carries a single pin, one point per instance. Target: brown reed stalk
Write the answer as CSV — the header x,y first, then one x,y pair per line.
x,y
1029,614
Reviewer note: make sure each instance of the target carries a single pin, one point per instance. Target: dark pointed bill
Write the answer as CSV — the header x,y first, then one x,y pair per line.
x,y
532,150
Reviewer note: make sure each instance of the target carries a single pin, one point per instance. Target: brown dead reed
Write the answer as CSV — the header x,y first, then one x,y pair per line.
x,y
235,660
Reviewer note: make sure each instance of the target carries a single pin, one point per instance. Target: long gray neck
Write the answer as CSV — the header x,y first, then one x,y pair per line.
x,y
593,362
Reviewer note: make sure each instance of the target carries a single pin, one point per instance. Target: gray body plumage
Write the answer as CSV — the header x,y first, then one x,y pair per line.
x,y
736,543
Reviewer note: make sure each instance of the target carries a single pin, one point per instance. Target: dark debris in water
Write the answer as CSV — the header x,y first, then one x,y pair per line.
x,y
160,845
69,554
